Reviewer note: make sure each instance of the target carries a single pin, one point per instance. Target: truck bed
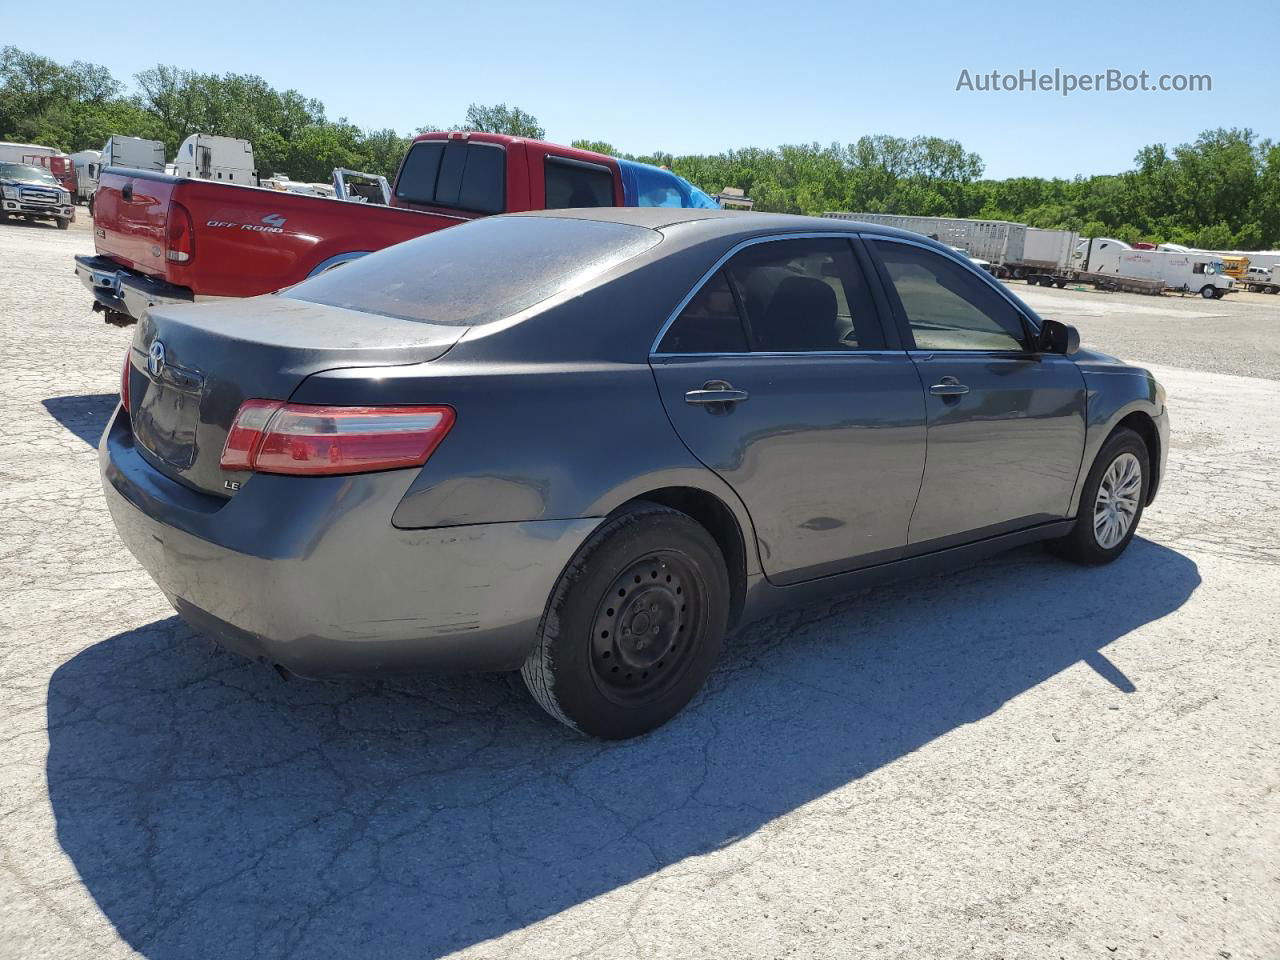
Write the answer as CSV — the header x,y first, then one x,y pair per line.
x,y
240,240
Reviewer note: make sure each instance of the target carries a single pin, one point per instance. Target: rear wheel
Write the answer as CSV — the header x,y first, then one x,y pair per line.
x,y
634,625
1111,502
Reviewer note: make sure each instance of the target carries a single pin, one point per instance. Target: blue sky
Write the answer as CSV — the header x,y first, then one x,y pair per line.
x,y
689,77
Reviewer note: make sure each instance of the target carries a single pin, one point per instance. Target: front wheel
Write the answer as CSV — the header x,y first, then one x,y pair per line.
x,y
634,625
1111,502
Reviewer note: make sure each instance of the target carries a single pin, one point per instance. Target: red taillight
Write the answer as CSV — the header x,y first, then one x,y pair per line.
x,y
246,433
268,436
124,378
180,240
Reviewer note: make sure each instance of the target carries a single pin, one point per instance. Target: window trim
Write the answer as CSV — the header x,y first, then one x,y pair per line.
x,y
1030,329
887,325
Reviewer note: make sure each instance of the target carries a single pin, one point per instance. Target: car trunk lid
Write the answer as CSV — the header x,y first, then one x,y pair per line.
x,y
193,366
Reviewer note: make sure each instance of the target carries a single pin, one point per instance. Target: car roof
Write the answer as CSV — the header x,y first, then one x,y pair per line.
x,y
723,223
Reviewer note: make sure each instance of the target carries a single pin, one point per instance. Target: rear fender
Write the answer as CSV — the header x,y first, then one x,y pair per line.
x,y
533,441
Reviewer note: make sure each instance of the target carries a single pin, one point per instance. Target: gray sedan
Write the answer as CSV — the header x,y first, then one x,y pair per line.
x,y
585,444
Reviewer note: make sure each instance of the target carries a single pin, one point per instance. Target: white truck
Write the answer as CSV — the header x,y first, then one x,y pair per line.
x,y
997,241
1262,280
1048,257
1099,254
1200,273
206,157
132,152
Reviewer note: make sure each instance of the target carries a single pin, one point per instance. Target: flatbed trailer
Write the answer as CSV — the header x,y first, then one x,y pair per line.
x,y
1262,286
1100,281
1110,281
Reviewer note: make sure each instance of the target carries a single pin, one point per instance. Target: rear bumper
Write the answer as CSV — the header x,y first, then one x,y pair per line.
x,y
127,291
37,210
309,573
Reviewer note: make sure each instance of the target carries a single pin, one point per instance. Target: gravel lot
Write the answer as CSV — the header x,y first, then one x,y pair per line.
x,y
1024,759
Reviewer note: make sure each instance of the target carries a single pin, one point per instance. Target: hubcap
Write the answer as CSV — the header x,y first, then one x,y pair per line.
x,y
1116,506
643,628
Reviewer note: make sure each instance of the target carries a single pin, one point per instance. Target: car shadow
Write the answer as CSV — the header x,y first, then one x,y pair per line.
x,y
204,800
85,415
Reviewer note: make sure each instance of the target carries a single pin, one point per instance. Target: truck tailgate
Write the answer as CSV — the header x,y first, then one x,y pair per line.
x,y
130,214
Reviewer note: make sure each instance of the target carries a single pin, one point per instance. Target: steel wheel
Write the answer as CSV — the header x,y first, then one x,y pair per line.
x,y
1116,505
640,637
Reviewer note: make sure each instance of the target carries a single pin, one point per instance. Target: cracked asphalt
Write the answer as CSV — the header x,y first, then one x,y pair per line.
x,y
1022,759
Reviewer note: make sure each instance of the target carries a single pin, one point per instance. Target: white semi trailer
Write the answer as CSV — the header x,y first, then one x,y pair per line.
x,y
997,241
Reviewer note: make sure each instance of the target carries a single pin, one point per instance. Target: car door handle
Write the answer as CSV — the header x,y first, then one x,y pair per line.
x,y
949,387
716,391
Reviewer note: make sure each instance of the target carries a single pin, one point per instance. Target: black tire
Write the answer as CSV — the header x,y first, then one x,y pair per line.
x,y
1081,544
593,668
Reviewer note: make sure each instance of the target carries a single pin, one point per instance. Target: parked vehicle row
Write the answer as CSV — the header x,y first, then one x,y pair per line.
x,y
171,239
585,443
1058,257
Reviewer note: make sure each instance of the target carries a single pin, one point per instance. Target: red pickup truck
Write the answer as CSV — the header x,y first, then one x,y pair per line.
x,y
165,239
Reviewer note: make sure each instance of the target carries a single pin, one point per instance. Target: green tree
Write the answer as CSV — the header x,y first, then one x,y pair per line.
x,y
596,146
500,118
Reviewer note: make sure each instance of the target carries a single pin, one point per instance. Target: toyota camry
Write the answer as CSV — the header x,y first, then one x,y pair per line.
x,y
585,444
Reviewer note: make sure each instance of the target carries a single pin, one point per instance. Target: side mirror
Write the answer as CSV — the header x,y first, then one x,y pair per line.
x,y
1058,337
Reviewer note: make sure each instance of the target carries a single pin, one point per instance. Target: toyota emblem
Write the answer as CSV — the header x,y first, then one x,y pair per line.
x,y
155,358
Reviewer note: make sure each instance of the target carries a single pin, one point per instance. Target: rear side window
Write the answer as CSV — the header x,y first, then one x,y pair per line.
x,y
455,173
478,272
805,296
709,323
575,183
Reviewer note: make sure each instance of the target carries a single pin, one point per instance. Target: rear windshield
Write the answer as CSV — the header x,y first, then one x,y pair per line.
x,y
478,272
455,174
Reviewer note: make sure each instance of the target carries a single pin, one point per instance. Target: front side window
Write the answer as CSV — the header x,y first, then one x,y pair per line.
x,y
803,296
574,183
710,323
458,174
946,305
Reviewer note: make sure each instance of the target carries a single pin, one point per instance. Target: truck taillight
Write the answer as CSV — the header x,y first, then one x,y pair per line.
x,y
124,378
268,436
181,239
